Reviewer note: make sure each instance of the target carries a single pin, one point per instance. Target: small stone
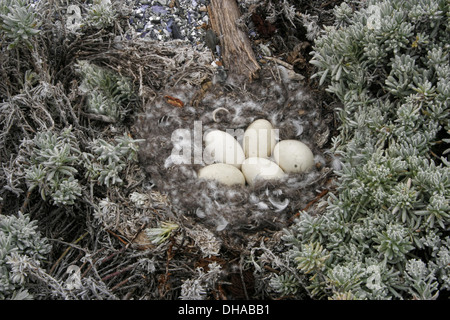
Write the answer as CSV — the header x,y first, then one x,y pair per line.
x,y
176,33
159,10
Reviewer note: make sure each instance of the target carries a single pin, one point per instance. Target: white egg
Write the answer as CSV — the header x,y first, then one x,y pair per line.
x,y
222,147
259,139
293,156
224,173
255,168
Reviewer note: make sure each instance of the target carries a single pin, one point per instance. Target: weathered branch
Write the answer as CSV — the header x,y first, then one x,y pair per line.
x,y
238,56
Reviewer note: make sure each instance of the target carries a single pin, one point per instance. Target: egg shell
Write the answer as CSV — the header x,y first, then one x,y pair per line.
x,y
224,173
222,147
293,156
255,168
259,139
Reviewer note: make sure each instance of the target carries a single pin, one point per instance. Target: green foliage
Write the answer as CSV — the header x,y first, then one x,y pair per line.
x,y
19,22
311,258
162,233
108,160
422,279
53,166
284,284
107,92
205,281
20,244
385,232
56,164
101,14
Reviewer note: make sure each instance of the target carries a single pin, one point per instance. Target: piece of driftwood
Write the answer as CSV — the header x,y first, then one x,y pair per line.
x,y
237,53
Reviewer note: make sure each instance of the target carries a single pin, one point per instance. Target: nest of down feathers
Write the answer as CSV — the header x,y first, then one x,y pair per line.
x,y
267,204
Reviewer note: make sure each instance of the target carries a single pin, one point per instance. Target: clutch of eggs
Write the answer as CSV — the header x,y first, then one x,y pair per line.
x,y
259,157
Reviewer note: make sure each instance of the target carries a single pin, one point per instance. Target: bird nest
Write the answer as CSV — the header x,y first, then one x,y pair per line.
x,y
181,116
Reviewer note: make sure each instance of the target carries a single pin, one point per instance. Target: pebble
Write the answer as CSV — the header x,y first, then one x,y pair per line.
x,y
166,20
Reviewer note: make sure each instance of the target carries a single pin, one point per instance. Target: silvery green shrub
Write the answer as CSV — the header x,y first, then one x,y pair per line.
x,y
108,160
53,166
384,234
20,244
284,284
19,22
107,92
101,14
56,159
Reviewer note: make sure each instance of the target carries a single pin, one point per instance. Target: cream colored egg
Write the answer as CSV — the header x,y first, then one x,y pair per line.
x,y
222,147
224,173
259,139
255,168
293,156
